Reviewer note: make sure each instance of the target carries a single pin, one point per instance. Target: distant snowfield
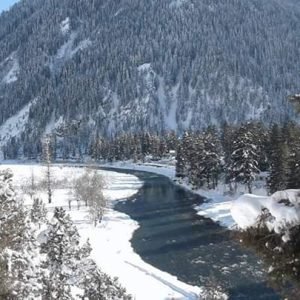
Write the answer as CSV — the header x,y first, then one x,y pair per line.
x,y
110,240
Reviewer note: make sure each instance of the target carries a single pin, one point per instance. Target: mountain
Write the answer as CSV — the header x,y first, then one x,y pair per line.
x,y
99,67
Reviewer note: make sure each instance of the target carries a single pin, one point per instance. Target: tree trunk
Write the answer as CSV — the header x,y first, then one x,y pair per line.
x,y
249,187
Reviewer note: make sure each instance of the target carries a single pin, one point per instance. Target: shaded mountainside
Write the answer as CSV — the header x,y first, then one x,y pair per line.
x,y
120,65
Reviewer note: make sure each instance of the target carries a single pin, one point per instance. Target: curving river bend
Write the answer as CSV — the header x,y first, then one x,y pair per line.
x,y
173,238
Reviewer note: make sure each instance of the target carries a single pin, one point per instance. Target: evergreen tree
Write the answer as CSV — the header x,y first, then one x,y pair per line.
x,y
68,265
19,269
180,162
243,164
95,284
291,133
260,134
62,255
38,213
278,159
211,157
196,153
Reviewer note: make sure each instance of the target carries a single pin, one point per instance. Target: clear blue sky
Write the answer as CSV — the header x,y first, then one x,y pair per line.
x,y
6,4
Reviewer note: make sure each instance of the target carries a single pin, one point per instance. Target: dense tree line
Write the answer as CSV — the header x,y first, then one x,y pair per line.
x,y
133,146
132,66
237,154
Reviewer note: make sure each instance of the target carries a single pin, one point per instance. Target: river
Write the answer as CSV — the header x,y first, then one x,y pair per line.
x,y
173,238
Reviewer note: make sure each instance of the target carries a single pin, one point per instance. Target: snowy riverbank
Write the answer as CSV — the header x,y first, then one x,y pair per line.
x,y
110,240
218,203
216,206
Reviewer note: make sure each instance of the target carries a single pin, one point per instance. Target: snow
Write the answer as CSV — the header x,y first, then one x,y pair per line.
x,y
177,3
81,46
14,126
51,125
65,26
144,67
118,12
12,74
67,50
169,114
247,209
283,206
218,211
110,240
167,108
113,112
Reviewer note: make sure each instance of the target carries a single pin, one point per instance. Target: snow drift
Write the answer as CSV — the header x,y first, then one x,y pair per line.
x,y
281,210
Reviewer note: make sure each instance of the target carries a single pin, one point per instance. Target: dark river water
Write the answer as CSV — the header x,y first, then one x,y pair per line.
x,y
173,238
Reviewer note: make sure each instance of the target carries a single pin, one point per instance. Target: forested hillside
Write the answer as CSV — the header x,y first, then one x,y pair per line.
x,y
87,68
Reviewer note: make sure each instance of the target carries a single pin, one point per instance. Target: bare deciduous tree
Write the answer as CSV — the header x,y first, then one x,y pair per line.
x,y
30,186
89,189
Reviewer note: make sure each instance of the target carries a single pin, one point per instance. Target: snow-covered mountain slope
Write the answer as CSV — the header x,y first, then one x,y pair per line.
x,y
133,65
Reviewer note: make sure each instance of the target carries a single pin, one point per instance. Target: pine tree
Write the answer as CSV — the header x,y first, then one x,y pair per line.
x,y
68,265
260,134
95,284
38,213
19,270
211,157
180,162
196,159
278,159
244,159
291,133
62,255
188,155
227,137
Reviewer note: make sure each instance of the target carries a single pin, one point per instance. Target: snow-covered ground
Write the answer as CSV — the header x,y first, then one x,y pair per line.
x,y
110,240
218,203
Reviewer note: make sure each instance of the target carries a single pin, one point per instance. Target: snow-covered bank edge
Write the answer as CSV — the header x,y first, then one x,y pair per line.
x,y
280,211
110,240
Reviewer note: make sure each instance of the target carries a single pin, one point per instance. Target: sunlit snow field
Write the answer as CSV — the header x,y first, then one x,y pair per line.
x,y
110,240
